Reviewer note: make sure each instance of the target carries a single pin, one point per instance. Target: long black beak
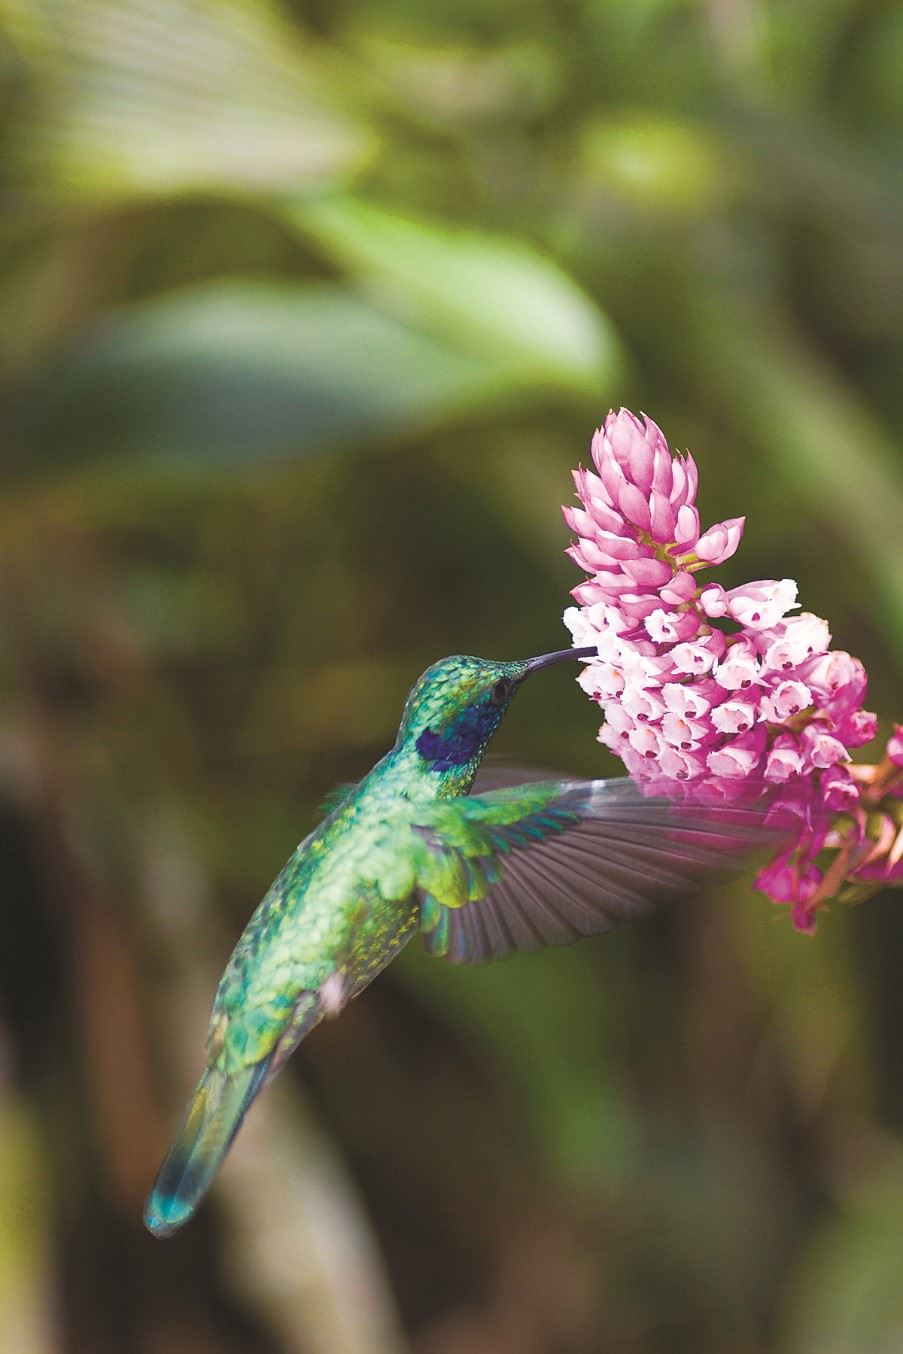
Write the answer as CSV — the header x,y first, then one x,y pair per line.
x,y
562,655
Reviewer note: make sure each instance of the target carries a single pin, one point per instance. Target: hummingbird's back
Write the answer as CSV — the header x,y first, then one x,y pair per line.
x,y
338,912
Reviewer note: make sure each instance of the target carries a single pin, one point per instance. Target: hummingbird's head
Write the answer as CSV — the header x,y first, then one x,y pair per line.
x,y
458,703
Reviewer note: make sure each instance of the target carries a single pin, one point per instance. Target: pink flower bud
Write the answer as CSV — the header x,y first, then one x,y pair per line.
x,y
802,913
839,791
684,734
645,707
621,547
895,745
669,627
836,674
820,748
734,716
634,505
686,526
856,728
593,679
785,700
713,600
647,573
607,680
662,518
611,475
684,700
587,593
784,760
612,738
796,639
638,605
739,757
739,668
678,589
632,444
778,879
588,556
611,581
721,541
685,480
677,765
605,618
606,517
589,486
700,657
579,521
645,741
583,632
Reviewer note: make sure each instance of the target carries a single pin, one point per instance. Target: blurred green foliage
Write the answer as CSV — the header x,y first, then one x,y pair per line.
x,y
308,309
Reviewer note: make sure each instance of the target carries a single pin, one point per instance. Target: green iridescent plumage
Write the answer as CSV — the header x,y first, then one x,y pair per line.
x,y
410,847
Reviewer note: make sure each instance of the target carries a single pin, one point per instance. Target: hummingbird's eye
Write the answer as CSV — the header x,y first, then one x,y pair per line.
x,y
502,690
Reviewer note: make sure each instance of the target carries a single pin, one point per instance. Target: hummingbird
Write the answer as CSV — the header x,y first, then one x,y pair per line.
x,y
418,846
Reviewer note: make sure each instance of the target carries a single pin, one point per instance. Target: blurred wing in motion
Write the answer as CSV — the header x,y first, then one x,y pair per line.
x,y
546,863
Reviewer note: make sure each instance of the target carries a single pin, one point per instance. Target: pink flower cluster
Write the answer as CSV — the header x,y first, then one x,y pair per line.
x,y
719,689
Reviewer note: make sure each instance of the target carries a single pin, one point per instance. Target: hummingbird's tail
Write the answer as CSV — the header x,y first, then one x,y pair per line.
x,y
213,1118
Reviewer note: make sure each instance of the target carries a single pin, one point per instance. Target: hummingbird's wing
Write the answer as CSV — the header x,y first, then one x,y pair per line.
x,y
548,862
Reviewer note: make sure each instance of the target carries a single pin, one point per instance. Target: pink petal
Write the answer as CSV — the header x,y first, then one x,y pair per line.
x,y
787,699
634,504
686,528
784,760
621,546
680,589
760,605
648,573
646,707
612,476
721,541
684,699
678,765
684,734
587,593
739,757
713,600
821,748
734,716
645,741
857,728
589,485
683,490
696,659
839,791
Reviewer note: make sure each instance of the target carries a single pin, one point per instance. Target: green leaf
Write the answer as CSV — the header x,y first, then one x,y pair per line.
x,y
235,371
495,296
127,97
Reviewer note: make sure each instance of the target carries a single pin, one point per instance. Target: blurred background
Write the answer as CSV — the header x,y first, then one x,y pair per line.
x,y
307,309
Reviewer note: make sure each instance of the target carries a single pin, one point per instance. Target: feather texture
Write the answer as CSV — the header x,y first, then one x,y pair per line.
x,y
213,1118
553,861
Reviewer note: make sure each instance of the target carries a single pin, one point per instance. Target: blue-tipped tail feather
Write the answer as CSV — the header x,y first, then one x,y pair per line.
x,y
214,1117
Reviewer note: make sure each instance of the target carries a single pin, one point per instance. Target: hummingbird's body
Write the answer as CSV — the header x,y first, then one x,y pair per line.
x,y
481,875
